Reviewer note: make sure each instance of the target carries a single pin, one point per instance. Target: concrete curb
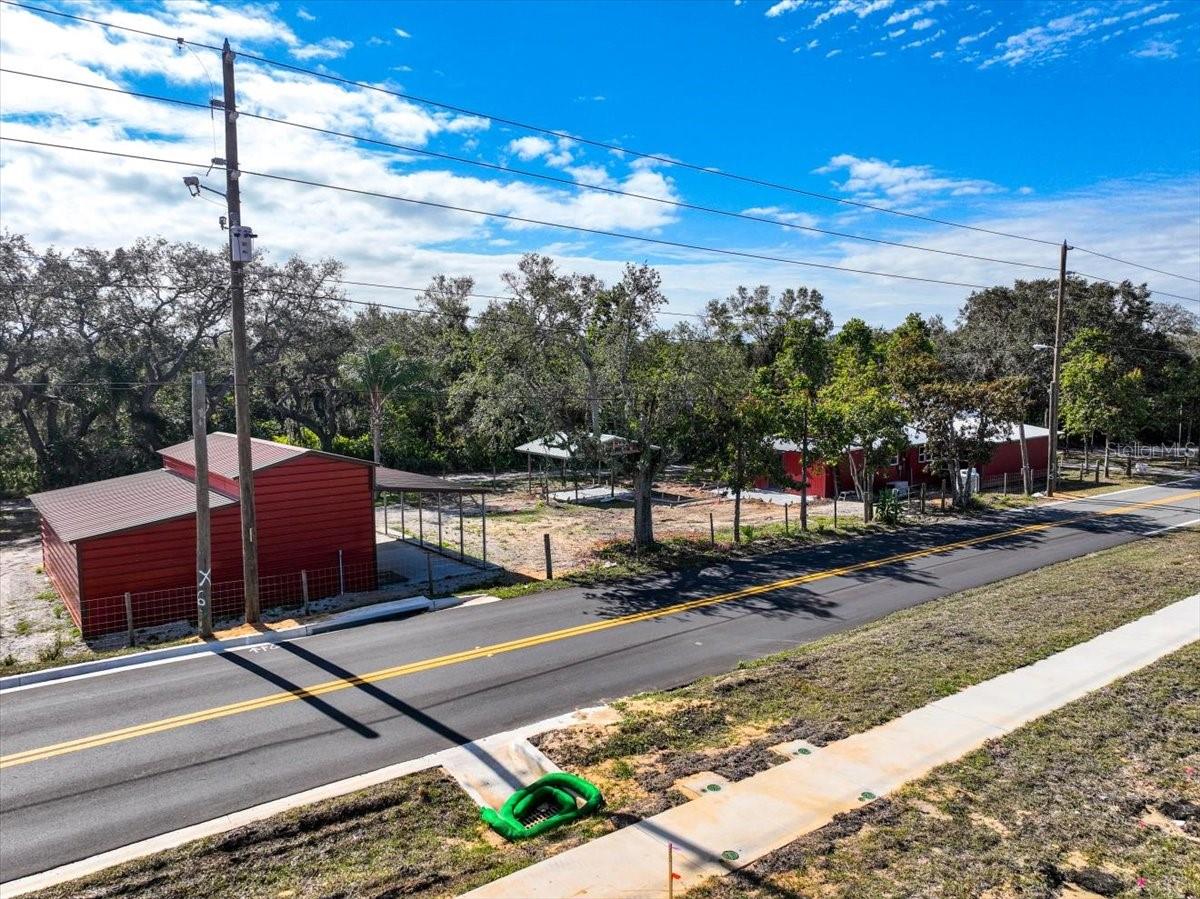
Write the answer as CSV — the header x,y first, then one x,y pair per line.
x,y
444,758
351,618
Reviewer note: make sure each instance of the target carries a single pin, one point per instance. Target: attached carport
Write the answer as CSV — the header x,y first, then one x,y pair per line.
x,y
393,483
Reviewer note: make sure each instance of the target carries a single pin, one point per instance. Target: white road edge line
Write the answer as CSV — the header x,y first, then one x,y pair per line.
x,y
175,838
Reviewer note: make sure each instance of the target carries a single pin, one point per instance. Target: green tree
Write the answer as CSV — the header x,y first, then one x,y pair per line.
x,y
1099,394
379,372
797,375
857,411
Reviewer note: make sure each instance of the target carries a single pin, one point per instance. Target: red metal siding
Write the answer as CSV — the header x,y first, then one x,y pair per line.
x,y
310,508
157,557
307,509
60,561
225,485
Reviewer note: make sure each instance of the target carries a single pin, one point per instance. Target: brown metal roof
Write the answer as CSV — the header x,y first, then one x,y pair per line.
x,y
223,457
394,479
118,504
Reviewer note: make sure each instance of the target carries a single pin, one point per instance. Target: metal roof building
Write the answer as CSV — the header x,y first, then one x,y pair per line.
x,y
137,534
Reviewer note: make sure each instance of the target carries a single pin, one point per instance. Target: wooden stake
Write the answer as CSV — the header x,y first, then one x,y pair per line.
x,y
129,618
549,561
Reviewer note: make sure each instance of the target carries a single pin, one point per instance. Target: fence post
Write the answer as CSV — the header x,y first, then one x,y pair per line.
x,y
1006,483
786,527
304,591
922,499
712,531
549,560
1097,472
129,618
341,576
943,494
385,511
429,572
483,521
439,496
420,519
461,555
403,536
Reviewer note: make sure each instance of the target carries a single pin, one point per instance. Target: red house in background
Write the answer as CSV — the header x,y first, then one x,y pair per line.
x,y
137,534
911,465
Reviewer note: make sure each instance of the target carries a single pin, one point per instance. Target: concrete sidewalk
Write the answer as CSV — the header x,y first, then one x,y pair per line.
x,y
726,830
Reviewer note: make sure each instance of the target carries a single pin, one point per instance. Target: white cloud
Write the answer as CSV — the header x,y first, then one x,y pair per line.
x,y
913,11
401,68
400,32
780,214
876,178
938,55
832,53
861,8
922,24
530,147
812,44
1157,50
326,48
972,38
783,6
1161,20
302,13
1043,43
878,53
921,43
892,35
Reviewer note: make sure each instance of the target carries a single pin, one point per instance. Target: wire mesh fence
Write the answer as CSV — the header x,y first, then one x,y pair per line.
x,y
303,590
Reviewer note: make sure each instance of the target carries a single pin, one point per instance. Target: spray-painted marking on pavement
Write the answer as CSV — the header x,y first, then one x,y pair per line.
x,y
481,652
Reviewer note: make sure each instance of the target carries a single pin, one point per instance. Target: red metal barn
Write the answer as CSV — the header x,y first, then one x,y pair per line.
x,y
911,465
137,534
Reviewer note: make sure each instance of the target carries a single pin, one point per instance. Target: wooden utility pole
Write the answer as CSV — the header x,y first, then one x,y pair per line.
x,y
1052,414
203,529
240,251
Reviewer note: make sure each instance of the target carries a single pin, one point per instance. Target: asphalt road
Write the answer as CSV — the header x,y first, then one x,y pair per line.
x,y
430,681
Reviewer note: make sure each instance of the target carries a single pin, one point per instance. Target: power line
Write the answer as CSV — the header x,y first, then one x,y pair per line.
x,y
525,173
531,221
1135,264
505,216
562,135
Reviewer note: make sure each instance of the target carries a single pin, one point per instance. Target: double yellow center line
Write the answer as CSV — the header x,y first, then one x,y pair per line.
x,y
482,652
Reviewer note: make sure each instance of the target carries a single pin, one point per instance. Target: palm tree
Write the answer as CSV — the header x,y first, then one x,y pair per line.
x,y
378,372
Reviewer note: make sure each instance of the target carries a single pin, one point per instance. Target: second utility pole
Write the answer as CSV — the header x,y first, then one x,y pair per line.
x,y
1052,423
239,255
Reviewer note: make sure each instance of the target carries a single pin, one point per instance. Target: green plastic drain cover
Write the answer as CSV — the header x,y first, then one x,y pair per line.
x,y
803,751
713,788
551,801
866,796
729,855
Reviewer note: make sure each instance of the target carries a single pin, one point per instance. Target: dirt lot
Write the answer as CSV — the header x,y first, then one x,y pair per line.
x,y
517,519
33,623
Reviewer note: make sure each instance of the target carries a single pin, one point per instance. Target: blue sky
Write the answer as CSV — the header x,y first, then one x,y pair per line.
x,y
1077,120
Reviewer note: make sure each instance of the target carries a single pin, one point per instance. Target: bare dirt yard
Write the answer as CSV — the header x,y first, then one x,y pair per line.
x,y
517,520
33,622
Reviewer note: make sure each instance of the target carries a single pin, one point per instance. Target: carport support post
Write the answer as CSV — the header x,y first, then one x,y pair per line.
x,y
549,561
483,521
129,611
